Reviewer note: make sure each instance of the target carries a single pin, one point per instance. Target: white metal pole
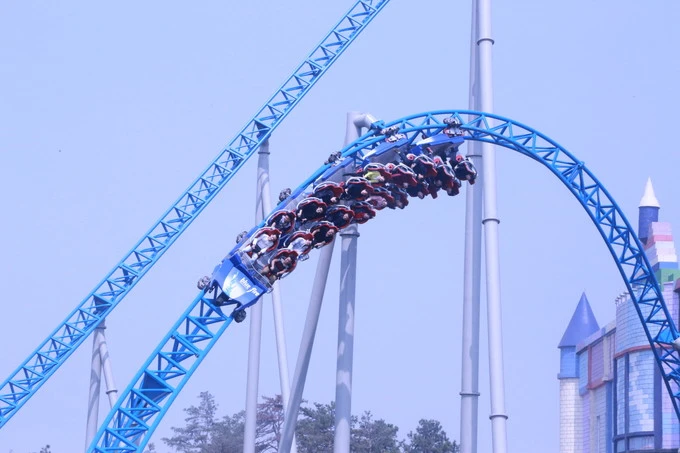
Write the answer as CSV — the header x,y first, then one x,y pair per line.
x,y
281,349
306,345
343,387
469,403
95,388
255,340
491,249
111,390
348,270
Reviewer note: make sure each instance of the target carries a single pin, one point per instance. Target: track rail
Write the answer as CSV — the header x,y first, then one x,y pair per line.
x,y
142,405
27,379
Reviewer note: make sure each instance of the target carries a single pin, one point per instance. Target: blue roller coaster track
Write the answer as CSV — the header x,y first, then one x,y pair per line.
x,y
142,405
27,379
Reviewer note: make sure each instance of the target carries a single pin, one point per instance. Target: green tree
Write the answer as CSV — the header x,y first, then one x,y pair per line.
x,y
269,424
228,434
373,436
315,429
197,435
429,437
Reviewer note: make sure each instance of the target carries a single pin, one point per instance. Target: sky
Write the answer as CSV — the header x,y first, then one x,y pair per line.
x,y
110,111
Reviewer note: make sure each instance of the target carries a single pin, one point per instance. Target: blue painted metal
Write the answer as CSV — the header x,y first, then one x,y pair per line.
x,y
141,407
55,350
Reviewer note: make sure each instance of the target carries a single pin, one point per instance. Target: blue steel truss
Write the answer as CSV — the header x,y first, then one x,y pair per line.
x,y
142,405
55,350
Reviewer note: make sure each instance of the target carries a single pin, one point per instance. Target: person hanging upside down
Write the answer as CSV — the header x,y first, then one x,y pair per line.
x,y
323,233
283,220
424,167
381,199
465,170
420,190
400,197
340,216
446,179
376,174
264,240
282,263
310,209
357,189
402,175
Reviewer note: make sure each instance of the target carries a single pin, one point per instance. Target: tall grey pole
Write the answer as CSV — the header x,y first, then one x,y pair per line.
x,y
101,363
348,271
490,222
255,340
111,390
279,331
343,386
306,345
469,402
95,389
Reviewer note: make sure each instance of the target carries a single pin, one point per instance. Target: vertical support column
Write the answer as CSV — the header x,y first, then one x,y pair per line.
x,y
469,403
95,388
498,416
279,331
306,345
101,362
348,270
111,390
255,339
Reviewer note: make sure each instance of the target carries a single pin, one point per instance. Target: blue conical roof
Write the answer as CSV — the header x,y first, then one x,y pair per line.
x,y
582,324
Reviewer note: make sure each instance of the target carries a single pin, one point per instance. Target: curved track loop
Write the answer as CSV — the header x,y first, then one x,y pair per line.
x,y
141,407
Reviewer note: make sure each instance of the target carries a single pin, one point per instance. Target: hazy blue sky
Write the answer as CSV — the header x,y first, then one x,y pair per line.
x,y
108,113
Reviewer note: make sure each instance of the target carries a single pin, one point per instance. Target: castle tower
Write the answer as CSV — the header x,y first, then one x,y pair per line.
x,y
648,211
657,238
643,413
582,325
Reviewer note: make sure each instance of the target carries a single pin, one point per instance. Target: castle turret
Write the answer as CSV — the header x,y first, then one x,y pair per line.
x,y
648,211
644,421
582,325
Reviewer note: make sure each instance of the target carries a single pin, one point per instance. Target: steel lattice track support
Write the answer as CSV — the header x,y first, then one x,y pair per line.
x,y
139,410
164,374
55,350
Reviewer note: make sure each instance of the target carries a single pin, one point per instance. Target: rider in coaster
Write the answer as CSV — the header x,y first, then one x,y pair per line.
x,y
299,242
282,263
264,240
376,174
402,176
310,209
465,170
340,216
446,179
363,212
421,165
323,233
283,220
357,188
400,197
381,199
420,190
329,192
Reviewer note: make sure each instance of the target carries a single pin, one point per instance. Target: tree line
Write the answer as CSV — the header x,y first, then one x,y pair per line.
x,y
205,432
